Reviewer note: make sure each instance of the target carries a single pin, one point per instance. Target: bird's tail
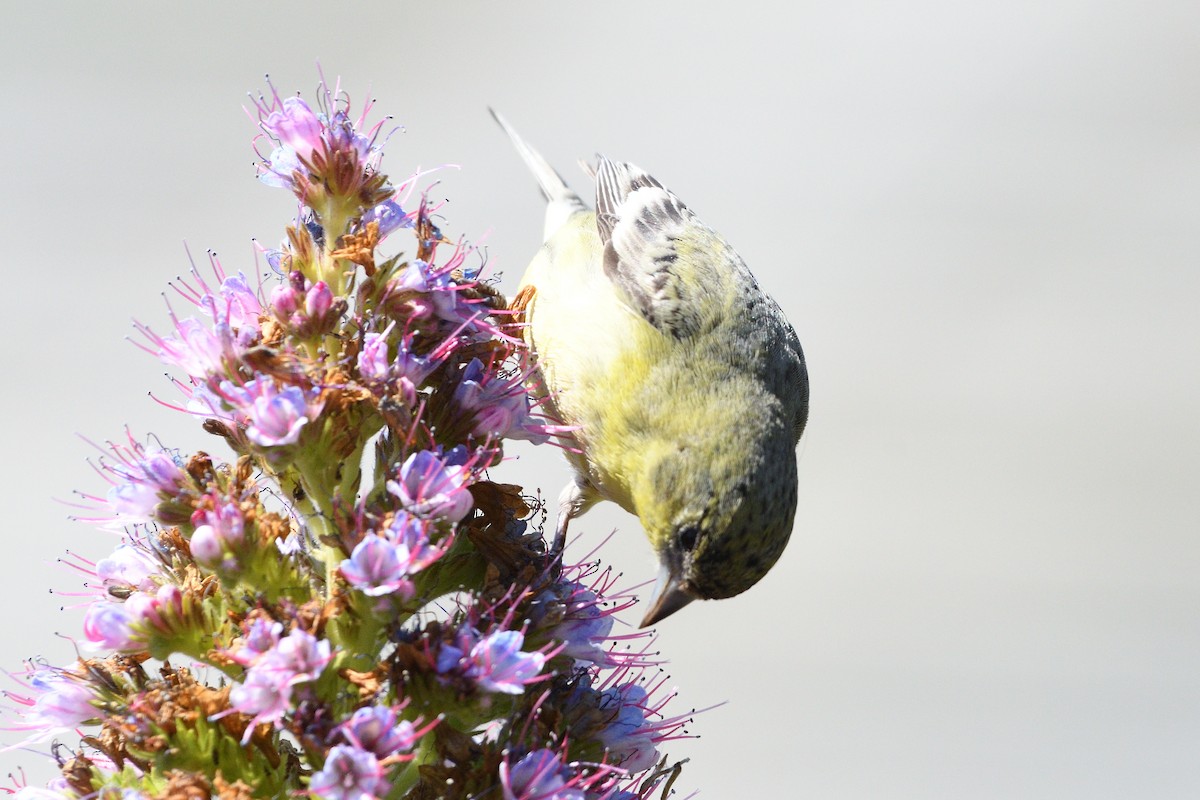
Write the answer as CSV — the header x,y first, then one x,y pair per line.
x,y
561,202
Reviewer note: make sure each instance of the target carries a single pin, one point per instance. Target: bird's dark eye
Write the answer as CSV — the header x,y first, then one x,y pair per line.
x,y
687,538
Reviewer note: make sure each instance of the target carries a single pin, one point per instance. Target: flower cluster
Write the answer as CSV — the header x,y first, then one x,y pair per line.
x,y
349,607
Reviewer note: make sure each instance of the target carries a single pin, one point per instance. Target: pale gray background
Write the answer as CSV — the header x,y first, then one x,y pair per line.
x,y
981,217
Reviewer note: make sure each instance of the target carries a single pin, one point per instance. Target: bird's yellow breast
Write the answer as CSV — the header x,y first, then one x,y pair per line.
x,y
594,354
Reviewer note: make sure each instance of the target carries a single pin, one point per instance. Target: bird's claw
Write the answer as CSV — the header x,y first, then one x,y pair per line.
x,y
559,544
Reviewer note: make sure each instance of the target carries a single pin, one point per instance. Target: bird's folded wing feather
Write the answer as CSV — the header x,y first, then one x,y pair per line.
x,y
656,251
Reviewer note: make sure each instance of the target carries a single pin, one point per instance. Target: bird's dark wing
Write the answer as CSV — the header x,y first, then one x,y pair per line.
x,y
686,280
655,249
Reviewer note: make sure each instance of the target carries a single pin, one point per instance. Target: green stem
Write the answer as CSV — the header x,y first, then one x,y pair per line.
x,y
314,506
356,636
352,471
425,753
334,219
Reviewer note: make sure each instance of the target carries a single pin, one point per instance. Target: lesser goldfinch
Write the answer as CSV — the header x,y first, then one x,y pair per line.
x,y
684,383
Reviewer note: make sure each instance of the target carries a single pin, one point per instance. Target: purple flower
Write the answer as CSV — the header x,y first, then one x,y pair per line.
x,y
585,629
294,125
341,135
128,567
438,292
540,775
390,217
218,532
64,701
407,371
277,170
106,625
499,664
261,696
274,416
375,729
298,657
227,520
297,130
238,308
500,406
495,662
411,532
432,485
349,774
205,402
378,567
266,692
280,261
134,502
300,136
382,563
410,367
198,349
373,362
420,276
628,737
147,478
261,637
59,701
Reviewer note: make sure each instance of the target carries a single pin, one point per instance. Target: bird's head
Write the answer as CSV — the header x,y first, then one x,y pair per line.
x,y
719,518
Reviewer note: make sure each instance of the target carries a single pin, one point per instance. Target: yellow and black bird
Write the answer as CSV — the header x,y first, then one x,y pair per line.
x,y
685,383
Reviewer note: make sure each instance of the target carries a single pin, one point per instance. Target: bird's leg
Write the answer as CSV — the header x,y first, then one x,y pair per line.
x,y
560,533
576,498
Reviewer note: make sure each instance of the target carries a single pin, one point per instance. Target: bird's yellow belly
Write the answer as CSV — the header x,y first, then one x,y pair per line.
x,y
593,354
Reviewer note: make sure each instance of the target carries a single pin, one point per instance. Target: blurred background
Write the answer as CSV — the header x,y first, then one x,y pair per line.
x,y
982,218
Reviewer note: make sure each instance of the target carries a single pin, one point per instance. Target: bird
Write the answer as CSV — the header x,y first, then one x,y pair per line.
x,y
682,384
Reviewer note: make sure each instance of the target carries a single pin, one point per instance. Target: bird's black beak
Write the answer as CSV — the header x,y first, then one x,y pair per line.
x,y
669,596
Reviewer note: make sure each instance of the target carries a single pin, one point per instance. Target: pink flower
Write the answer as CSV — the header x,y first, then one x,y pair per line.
x,y
496,663
239,307
261,696
147,479
58,701
260,638
106,625
273,416
500,406
266,692
540,775
376,729
378,567
218,533
293,124
432,485
390,217
349,774
318,300
373,363
297,658
128,567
